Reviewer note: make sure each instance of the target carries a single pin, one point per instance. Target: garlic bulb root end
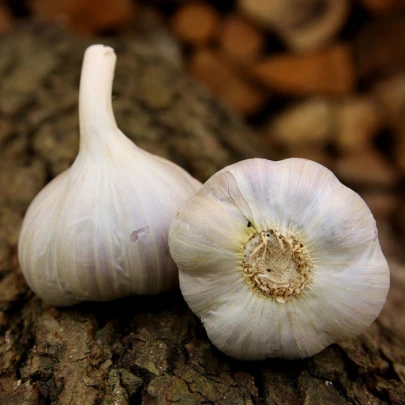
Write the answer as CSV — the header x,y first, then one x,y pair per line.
x,y
279,259
276,266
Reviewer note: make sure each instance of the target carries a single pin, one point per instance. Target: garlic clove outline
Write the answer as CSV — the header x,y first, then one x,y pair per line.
x,y
99,230
279,259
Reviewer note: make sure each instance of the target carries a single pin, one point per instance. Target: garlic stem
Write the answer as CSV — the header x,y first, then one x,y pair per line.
x,y
96,116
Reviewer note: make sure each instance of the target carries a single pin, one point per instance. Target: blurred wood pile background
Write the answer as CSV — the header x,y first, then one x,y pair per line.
x,y
319,79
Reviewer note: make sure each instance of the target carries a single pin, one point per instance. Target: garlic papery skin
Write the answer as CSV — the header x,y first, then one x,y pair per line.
x,y
99,230
279,259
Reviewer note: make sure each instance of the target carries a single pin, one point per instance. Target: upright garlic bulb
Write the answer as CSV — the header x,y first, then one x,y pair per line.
x,y
279,259
99,230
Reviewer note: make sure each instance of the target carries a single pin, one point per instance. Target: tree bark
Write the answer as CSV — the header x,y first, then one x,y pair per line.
x,y
149,350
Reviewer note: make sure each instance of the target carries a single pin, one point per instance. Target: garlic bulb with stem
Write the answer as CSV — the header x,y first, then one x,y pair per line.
x,y
99,230
279,259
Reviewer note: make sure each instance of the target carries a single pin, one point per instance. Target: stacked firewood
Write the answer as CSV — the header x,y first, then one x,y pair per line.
x,y
320,79
323,80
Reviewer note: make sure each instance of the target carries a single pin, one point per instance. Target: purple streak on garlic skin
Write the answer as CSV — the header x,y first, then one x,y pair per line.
x,y
139,234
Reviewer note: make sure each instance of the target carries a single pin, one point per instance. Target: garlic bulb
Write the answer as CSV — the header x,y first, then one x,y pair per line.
x,y
99,230
279,259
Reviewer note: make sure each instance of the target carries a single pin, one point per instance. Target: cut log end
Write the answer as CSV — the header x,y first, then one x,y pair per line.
x,y
220,76
241,40
196,23
330,71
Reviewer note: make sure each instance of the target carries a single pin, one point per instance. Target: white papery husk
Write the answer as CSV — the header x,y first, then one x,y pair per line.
x,y
99,230
349,278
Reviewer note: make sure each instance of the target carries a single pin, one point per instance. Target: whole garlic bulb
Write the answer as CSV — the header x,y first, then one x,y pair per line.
x,y
99,230
279,259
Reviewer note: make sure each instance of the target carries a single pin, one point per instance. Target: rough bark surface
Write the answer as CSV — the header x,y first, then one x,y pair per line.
x,y
149,350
